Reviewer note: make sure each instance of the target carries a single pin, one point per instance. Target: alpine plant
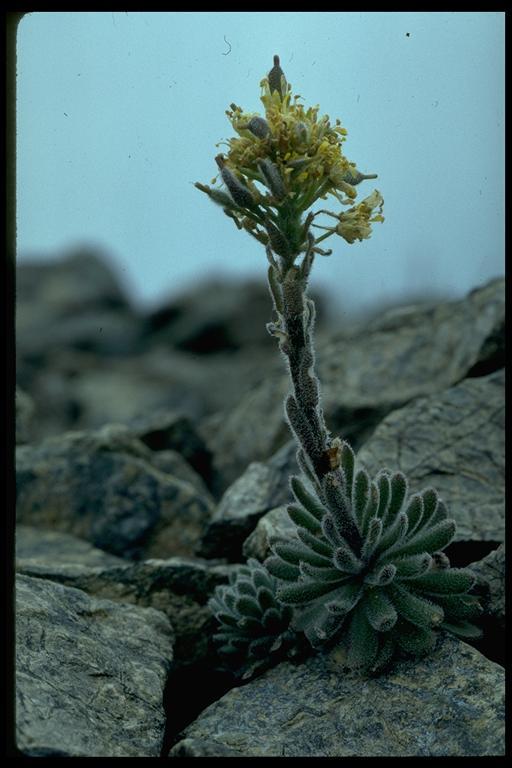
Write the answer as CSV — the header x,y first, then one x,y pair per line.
x,y
255,626
366,566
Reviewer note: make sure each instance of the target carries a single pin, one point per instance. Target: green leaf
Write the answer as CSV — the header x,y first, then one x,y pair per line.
x,y
226,618
245,587
398,494
384,654
360,494
410,566
380,611
372,538
430,503
415,512
347,464
384,485
295,594
414,639
262,579
330,531
363,642
460,606
429,540
463,629
371,507
345,559
295,553
304,497
281,569
447,581
394,534
320,574
345,598
381,575
247,606
260,646
300,516
314,543
326,626
265,597
417,610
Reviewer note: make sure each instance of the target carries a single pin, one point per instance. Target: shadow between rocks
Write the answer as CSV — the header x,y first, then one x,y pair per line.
x,y
188,691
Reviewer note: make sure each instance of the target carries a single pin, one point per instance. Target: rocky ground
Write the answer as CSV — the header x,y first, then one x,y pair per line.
x,y
153,456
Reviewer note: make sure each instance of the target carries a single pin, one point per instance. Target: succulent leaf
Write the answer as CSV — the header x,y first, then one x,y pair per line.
x,y
308,501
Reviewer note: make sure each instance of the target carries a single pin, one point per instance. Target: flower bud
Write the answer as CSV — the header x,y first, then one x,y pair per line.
x,y
259,127
273,178
354,177
279,243
238,191
276,78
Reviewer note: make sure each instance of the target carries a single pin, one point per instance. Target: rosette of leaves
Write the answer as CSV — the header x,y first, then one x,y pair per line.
x,y
366,567
255,627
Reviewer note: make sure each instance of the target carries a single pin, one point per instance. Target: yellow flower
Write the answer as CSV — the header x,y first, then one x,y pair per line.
x,y
354,224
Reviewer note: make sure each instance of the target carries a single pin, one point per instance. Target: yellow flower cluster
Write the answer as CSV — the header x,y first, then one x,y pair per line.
x,y
278,165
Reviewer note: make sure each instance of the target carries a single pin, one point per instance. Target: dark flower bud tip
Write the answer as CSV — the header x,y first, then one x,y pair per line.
x,y
274,77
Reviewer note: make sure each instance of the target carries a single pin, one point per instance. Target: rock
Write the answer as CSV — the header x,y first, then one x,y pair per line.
x,y
403,354
57,548
216,315
261,488
455,442
450,703
102,487
178,587
198,748
163,430
173,463
24,416
90,674
275,524
490,573
82,390
75,302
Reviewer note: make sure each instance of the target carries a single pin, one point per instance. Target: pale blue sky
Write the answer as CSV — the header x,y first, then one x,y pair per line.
x,y
119,113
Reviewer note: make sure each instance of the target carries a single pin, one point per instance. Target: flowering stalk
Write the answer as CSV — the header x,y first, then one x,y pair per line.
x,y
275,170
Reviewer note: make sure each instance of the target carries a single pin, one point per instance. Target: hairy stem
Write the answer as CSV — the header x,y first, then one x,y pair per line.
x,y
296,322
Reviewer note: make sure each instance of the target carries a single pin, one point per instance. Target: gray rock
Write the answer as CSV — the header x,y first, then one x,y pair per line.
x,y
83,390
450,703
215,315
275,524
90,674
81,278
57,548
490,573
24,416
102,487
453,441
262,487
178,587
75,302
403,354
163,430
173,463
198,748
